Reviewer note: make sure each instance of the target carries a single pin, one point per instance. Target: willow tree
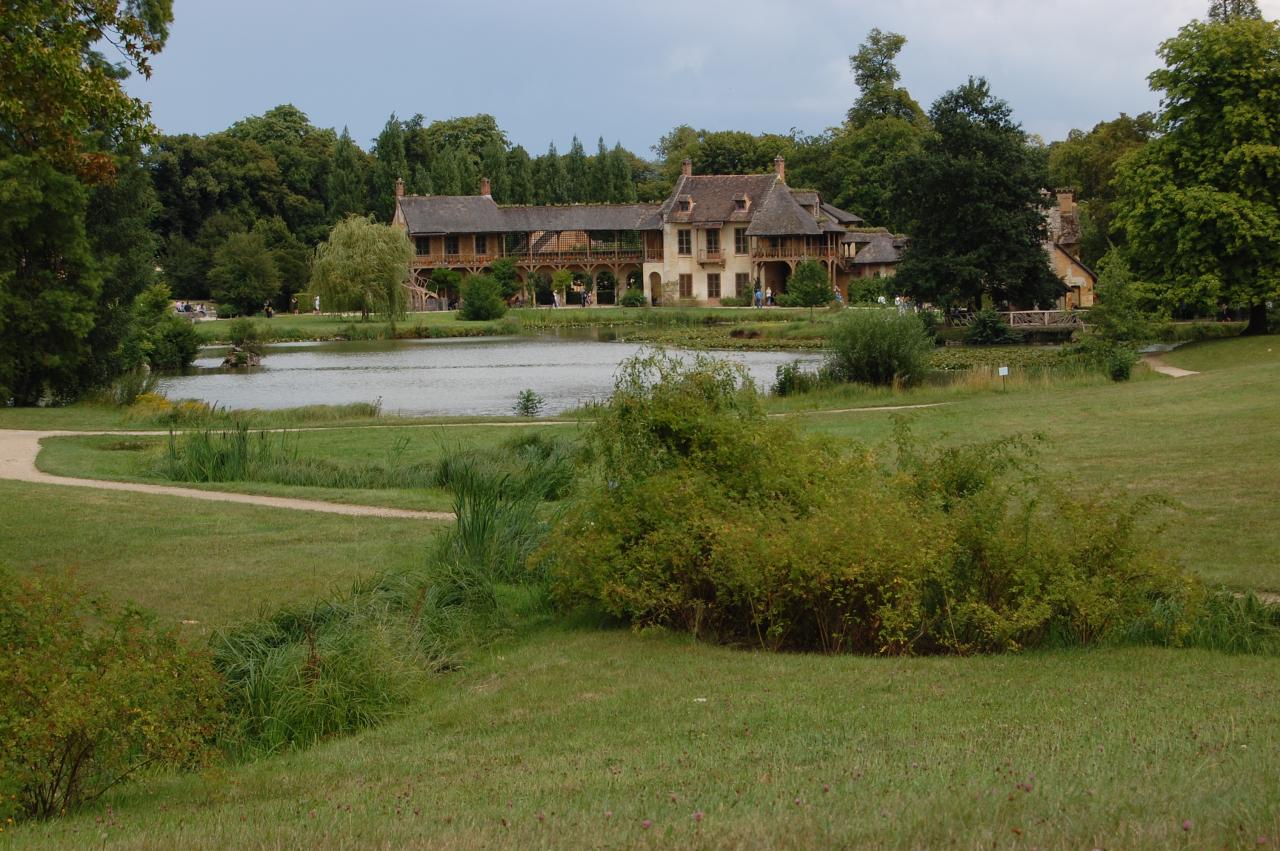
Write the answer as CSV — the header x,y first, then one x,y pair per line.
x,y
1200,204
363,266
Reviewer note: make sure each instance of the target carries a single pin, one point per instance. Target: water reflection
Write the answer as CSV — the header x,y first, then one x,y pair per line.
x,y
457,377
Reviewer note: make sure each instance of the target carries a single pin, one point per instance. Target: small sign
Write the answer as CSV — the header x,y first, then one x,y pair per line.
x,y
1004,370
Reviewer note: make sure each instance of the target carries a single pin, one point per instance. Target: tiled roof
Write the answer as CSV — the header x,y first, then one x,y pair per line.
x,y
714,197
780,215
841,216
883,248
435,214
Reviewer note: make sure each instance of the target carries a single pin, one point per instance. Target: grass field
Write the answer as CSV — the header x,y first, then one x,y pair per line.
x,y
573,734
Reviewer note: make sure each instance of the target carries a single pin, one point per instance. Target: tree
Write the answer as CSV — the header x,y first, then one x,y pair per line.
x,y
621,184
1086,162
863,160
481,299
1223,11
389,166
971,200
363,265
576,181
505,273
347,192
164,340
876,77
600,174
1200,204
808,286
446,174
520,169
244,273
493,165
55,84
551,182
291,256
49,284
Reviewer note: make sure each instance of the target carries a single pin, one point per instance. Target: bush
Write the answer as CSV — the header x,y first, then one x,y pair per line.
x,y
173,344
528,404
633,298
89,695
481,299
705,516
792,379
878,347
1115,359
246,335
988,328
735,301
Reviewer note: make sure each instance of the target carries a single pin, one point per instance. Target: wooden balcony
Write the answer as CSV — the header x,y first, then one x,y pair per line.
x,y
711,257
795,251
529,259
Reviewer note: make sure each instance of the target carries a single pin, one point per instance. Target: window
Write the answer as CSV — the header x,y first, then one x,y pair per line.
x,y
739,240
684,205
740,204
742,285
482,244
686,286
713,242
713,285
450,245
684,241
422,245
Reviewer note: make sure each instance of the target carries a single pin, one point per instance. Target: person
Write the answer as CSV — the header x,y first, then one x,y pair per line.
x,y
768,296
839,296
555,298
759,299
293,305
316,304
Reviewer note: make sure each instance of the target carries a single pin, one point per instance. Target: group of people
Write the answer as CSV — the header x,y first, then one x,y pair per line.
x,y
196,311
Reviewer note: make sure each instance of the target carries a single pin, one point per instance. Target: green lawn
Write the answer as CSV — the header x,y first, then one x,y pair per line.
x,y
213,563
573,735
566,738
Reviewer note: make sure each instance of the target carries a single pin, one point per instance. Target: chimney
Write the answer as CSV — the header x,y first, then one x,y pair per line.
x,y
399,187
686,167
1066,201
484,187
780,166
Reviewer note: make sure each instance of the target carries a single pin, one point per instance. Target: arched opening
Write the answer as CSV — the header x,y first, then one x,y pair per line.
x,y
773,277
606,287
654,290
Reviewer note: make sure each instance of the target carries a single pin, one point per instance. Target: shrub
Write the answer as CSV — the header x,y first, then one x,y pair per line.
x,y
173,344
878,347
528,404
735,301
130,386
988,328
705,516
633,298
793,379
1115,359
246,335
481,299
91,694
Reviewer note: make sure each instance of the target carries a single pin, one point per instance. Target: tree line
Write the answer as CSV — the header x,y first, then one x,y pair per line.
x,y
102,217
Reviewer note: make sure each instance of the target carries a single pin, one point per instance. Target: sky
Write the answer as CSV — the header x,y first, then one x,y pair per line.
x,y
630,72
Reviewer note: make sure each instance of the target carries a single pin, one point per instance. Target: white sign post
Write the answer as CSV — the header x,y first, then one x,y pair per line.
x,y
1004,374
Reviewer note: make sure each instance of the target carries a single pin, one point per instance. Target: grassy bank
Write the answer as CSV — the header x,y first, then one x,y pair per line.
x,y
525,749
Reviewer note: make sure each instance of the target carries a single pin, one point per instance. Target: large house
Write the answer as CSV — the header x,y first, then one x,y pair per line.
x,y
716,236
1064,252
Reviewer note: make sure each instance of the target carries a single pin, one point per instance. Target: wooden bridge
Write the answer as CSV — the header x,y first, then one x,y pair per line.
x,y
1033,318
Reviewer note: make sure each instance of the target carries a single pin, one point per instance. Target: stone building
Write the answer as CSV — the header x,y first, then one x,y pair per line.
x,y
715,236
1064,252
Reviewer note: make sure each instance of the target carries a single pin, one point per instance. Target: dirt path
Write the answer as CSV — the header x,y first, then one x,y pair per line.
x,y
1157,364
18,451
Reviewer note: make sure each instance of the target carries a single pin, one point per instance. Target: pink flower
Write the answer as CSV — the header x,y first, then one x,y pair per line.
x,y
697,816
1186,824
646,824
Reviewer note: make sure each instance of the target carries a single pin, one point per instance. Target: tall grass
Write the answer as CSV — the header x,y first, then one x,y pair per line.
x,y
304,674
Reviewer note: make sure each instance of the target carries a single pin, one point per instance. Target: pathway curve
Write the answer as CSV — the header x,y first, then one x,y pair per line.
x,y
1157,364
18,451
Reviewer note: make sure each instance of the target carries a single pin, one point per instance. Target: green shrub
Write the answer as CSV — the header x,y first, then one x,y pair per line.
x,y
988,328
528,404
173,344
246,335
633,298
792,379
878,347
1115,359
481,299
735,301
89,695
129,385
705,516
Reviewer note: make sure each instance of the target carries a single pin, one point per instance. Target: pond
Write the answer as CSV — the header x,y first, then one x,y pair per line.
x,y
454,377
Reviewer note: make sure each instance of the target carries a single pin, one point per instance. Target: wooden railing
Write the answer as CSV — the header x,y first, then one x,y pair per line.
x,y
710,255
792,252
536,258
1032,318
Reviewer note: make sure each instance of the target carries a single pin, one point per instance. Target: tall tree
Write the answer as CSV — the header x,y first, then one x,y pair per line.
x,y
1222,11
520,167
971,199
56,84
551,182
621,185
876,76
389,166
1086,162
600,173
577,183
446,176
348,179
244,273
493,165
1200,204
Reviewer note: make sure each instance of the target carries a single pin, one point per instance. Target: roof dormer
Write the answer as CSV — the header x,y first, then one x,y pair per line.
x,y
741,203
684,204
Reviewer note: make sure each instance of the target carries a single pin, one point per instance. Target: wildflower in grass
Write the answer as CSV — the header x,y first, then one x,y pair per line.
x,y
646,824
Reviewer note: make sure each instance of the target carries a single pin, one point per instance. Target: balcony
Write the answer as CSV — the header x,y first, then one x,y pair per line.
x,y
793,251
711,257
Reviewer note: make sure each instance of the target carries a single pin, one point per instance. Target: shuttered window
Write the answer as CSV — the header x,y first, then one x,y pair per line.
x,y
686,286
713,285
742,285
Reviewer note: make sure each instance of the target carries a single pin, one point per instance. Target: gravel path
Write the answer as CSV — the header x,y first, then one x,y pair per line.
x,y
1157,364
18,451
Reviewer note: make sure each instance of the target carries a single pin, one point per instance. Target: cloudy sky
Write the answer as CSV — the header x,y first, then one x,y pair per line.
x,y
631,71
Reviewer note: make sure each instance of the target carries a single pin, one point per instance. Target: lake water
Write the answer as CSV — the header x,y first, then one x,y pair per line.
x,y
458,377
